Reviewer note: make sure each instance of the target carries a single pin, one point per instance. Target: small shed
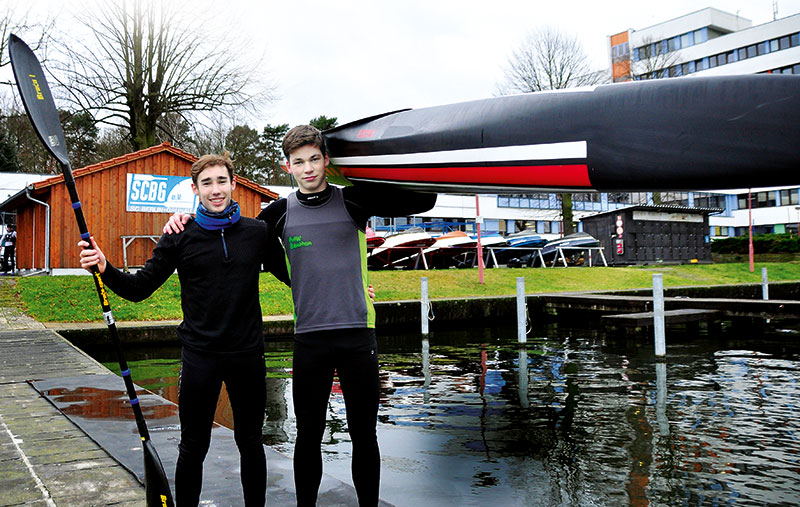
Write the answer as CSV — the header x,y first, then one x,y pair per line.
x,y
106,191
657,233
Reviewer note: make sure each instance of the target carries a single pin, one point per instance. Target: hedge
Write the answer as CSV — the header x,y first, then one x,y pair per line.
x,y
762,243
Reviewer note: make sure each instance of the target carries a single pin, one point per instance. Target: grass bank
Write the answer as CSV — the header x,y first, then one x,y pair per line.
x,y
73,298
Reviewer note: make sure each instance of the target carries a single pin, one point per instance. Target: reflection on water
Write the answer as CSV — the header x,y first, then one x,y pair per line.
x,y
468,417
94,403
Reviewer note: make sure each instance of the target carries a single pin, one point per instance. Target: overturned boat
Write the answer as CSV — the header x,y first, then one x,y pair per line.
x,y
697,133
451,250
573,247
403,249
522,245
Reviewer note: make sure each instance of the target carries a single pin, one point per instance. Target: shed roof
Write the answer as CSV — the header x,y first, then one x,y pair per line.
x,y
674,208
37,187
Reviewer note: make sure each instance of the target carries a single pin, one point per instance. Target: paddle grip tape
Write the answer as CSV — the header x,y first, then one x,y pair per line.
x,y
76,205
85,235
135,401
109,317
126,373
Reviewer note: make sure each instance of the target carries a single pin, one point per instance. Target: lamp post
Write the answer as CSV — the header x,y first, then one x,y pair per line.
x,y
750,220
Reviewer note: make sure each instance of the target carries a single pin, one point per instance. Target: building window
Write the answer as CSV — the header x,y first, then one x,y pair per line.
x,y
542,227
752,51
773,45
789,197
795,39
760,200
706,200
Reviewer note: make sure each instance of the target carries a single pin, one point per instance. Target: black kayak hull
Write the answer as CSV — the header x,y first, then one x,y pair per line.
x,y
669,134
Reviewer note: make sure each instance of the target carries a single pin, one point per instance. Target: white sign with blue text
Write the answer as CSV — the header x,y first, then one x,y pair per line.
x,y
154,193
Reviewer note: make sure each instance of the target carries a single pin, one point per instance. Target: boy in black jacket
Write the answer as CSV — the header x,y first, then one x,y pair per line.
x,y
218,259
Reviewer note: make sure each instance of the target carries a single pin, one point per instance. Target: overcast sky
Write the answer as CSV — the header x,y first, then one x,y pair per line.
x,y
357,58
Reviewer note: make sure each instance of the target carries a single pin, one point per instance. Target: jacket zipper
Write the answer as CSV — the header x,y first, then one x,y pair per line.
x,y
224,246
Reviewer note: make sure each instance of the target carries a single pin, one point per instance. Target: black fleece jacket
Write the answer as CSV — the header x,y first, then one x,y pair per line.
x,y
219,291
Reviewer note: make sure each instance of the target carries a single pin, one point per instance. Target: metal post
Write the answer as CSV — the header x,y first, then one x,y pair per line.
x,y
750,250
522,380
521,307
764,285
426,369
661,398
425,304
658,314
478,221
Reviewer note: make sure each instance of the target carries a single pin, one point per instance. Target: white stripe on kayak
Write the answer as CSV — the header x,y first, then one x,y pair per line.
x,y
552,151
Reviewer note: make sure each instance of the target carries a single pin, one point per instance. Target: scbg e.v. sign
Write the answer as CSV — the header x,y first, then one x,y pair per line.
x,y
153,193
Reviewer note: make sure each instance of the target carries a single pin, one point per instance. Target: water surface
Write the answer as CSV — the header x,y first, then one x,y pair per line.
x,y
573,418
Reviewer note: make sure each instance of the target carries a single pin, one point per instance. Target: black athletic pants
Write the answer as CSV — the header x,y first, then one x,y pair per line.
x,y
199,386
355,361
8,258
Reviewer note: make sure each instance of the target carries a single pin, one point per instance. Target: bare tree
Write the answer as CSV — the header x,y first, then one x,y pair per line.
x,y
144,62
550,60
654,60
20,23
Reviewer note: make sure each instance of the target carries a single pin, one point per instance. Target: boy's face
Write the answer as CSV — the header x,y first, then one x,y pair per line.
x,y
307,164
214,187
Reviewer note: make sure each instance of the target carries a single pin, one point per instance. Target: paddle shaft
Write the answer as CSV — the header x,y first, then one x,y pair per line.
x,y
108,316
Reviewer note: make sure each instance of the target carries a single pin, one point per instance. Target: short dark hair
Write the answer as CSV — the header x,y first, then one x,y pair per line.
x,y
211,160
303,135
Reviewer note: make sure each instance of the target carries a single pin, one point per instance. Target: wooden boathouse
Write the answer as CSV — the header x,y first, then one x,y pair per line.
x,y
47,233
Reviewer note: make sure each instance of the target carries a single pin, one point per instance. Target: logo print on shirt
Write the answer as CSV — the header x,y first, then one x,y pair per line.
x,y
297,242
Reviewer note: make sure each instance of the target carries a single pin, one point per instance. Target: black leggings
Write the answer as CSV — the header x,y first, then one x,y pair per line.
x,y
200,382
313,370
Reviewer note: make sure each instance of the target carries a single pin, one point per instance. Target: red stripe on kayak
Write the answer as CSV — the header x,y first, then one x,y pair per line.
x,y
576,175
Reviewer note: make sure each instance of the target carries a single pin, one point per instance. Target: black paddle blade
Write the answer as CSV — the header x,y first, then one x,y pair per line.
x,y
156,484
37,98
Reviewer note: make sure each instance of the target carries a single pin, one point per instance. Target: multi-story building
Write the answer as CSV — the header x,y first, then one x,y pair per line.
x,y
710,42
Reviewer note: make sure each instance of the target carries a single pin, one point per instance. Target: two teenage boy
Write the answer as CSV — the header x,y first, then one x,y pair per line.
x,y
321,229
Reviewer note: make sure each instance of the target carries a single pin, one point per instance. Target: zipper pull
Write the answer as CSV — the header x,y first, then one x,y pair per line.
x,y
224,246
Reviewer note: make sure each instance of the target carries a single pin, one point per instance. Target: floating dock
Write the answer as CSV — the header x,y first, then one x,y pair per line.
x,y
67,435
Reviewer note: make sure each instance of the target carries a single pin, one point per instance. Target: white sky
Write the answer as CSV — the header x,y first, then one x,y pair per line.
x,y
356,58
